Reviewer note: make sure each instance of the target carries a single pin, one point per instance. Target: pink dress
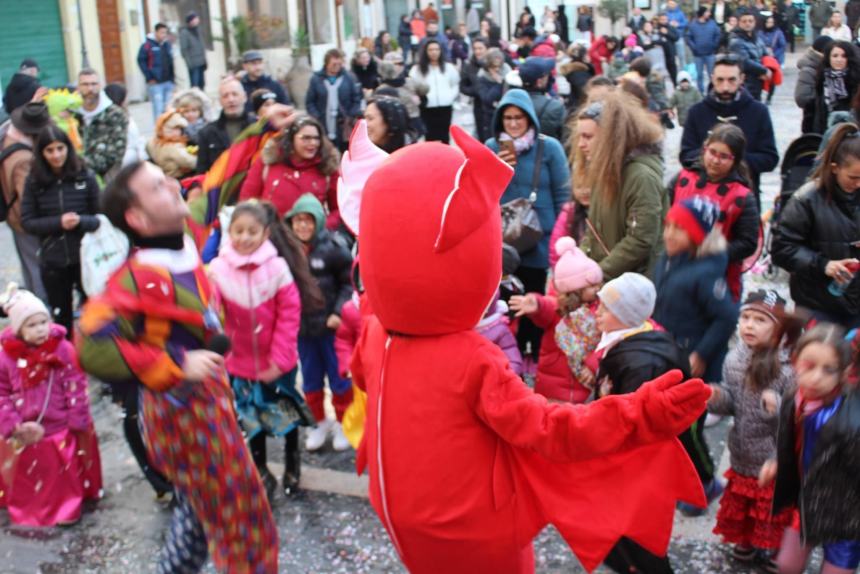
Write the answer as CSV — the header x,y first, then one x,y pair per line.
x,y
45,484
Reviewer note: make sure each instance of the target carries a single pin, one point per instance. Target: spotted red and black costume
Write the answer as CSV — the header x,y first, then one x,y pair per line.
x,y
739,217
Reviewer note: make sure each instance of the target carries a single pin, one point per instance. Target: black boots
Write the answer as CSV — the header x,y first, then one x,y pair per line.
x,y
292,462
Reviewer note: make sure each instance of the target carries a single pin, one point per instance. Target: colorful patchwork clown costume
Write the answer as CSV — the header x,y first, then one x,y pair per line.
x,y
155,308
466,463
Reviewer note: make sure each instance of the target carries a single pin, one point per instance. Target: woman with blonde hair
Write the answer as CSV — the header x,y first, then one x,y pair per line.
x,y
628,201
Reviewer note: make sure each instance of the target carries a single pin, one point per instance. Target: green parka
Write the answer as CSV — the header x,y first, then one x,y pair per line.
x,y
631,226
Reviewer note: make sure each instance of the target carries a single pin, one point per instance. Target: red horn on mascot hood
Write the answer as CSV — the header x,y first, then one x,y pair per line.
x,y
482,178
431,238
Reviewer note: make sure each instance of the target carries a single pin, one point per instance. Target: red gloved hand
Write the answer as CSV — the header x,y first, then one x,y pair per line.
x,y
673,405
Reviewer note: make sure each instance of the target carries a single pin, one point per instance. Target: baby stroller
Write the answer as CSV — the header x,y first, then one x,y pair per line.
x,y
797,165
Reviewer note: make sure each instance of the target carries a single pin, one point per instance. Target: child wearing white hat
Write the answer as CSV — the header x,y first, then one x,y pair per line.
x,y
48,448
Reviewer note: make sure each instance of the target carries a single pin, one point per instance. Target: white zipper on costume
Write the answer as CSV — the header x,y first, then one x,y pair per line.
x,y
381,474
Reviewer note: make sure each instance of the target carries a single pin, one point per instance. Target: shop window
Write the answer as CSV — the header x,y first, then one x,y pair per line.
x,y
261,24
321,21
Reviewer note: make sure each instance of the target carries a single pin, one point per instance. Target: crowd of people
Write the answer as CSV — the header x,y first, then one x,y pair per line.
x,y
614,272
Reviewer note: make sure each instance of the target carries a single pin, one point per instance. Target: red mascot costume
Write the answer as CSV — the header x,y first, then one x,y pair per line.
x,y
466,463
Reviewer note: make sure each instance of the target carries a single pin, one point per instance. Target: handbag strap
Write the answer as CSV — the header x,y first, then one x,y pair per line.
x,y
596,235
536,172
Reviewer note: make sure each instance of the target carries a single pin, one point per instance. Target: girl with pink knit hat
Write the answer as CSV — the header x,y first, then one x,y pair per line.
x,y
49,459
567,315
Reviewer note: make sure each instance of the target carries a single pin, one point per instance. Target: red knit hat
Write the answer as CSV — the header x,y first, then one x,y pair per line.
x,y
696,215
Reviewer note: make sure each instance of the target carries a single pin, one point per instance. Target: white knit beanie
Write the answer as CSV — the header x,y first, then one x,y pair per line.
x,y
631,298
19,305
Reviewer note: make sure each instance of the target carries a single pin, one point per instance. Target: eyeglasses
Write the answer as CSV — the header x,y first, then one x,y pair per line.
x,y
513,118
718,155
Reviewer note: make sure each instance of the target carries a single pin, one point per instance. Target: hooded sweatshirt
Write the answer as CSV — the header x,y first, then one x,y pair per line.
x,y
331,264
553,189
105,133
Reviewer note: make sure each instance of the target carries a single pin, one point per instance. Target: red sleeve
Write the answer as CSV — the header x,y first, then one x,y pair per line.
x,y
547,314
77,399
333,219
346,336
252,187
659,410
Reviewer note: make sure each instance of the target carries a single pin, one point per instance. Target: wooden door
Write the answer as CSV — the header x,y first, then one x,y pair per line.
x,y
110,37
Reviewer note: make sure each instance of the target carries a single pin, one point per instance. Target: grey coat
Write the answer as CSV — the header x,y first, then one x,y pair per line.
x,y
752,440
807,78
192,47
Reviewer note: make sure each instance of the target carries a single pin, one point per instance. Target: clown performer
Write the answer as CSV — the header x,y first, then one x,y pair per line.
x,y
153,328
466,463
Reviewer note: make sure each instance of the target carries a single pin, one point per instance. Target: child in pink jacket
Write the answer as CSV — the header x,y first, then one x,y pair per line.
x,y
261,300
49,459
566,313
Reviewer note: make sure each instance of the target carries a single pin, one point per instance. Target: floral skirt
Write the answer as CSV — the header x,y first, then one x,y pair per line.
x,y
744,515
275,408
193,438
45,484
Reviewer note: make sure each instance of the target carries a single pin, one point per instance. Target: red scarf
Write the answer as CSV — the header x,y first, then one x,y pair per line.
x,y
34,363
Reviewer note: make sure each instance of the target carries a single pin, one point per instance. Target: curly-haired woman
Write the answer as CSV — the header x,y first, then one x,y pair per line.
x,y
301,160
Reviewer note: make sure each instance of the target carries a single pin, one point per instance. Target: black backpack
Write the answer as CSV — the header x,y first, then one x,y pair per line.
x,y
4,153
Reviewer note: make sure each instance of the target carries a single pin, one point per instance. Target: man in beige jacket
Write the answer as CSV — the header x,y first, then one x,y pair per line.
x,y
23,127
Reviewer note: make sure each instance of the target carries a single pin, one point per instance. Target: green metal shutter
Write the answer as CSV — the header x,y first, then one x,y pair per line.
x,y
33,29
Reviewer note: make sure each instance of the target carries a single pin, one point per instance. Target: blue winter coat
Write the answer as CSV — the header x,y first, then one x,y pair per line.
x,y
554,186
677,15
775,40
703,38
695,305
156,61
348,93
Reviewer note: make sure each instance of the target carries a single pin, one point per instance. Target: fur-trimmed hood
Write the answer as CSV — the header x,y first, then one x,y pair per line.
x,y
184,97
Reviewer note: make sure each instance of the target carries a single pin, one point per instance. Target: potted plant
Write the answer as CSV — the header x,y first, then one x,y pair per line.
x,y
298,79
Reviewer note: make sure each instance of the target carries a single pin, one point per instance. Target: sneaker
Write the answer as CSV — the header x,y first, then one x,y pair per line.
x,y
712,420
712,491
744,554
768,564
317,435
339,442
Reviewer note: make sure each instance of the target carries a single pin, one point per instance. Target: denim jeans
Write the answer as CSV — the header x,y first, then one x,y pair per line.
x,y
159,95
681,49
704,64
197,77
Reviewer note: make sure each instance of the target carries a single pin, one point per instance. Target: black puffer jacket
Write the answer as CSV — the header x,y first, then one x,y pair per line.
x,y
331,264
42,208
829,495
213,139
640,358
813,230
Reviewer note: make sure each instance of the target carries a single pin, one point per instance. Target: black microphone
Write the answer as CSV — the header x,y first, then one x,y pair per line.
x,y
219,343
